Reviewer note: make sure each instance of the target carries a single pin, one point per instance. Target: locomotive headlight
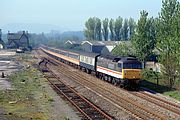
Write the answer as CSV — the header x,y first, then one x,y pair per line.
x,y
125,72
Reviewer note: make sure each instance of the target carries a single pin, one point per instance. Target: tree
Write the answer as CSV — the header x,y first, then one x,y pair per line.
x,y
105,29
125,30
169,40
89,31
111,28
93,29
144,39
98,34
132,25
117,29
123,49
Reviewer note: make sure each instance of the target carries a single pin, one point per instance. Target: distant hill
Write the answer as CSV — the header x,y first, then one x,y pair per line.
x,y
79,34
68,35
32,28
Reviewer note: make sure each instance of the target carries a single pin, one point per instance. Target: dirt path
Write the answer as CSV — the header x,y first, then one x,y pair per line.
x,y
8,65
2,114
37,100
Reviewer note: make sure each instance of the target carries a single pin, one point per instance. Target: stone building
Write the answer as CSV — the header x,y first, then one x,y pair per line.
x,y
2,44
18,40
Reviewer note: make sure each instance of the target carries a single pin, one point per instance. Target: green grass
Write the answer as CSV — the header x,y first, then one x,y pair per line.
x,y
173,94
162,87
66,118
150,82
20,102
165,91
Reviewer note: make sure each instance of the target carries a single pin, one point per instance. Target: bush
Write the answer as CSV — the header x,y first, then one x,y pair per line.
x,y
150,75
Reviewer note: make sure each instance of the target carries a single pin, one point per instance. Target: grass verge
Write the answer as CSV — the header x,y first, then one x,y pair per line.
x,y
21,102
162,88
174,94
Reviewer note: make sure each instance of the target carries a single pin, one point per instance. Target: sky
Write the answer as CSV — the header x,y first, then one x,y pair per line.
x,y
69,14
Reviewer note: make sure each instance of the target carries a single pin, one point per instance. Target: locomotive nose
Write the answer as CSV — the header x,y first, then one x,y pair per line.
x,y
131,74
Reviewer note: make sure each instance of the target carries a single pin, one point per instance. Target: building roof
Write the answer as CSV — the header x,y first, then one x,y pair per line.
x,y
2,42
13,36
16,36
73,42
101,43
15,41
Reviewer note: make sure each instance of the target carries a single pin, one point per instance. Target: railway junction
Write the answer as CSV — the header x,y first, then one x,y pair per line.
x,y
122,105
74,94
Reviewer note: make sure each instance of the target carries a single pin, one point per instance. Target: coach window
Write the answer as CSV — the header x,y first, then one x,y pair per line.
x,y
120,67
111,66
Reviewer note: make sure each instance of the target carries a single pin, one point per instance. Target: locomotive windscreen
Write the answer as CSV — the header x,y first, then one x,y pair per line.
x,y
132,66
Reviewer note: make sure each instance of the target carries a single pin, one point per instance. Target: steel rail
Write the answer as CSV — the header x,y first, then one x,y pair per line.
x,y
85,113
127,101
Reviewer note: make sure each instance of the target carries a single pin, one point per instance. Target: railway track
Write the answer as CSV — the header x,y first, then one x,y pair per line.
x,y
158,101
134,108
85,107
168,106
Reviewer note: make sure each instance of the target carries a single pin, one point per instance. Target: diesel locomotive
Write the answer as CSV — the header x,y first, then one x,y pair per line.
x,y
122,71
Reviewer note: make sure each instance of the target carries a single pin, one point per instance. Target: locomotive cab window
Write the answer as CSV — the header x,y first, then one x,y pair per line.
x,y
132,66
119,67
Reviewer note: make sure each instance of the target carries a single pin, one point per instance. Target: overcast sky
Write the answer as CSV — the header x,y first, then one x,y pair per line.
x,y
72,14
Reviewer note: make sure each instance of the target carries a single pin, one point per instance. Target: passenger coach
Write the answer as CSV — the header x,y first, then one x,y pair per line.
x,y
123,71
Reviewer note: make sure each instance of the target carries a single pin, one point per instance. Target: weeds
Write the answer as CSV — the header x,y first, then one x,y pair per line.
x,y
155,81
20,102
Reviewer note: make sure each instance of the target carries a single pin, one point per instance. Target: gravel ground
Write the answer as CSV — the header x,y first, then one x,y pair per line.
x,y
167,98
169,115
111,108
58,109
100,102
2,114
117,112
7,66
5,84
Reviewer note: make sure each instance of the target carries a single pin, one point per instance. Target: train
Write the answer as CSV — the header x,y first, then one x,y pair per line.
x,y
120,71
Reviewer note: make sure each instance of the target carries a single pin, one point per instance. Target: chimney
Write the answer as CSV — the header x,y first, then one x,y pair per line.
x,y
0,34
26,32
